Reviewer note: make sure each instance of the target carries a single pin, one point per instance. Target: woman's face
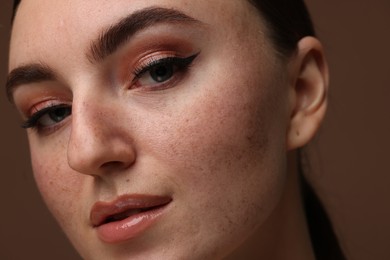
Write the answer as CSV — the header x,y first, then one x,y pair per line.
x,y
157,128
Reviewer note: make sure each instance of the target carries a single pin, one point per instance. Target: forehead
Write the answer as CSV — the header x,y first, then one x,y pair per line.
x,y
70,25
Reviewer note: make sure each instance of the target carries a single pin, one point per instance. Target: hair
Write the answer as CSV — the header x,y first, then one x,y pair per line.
x,y
288,21
16,4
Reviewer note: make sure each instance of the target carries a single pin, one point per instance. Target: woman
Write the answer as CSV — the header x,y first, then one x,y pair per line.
x,y
169,129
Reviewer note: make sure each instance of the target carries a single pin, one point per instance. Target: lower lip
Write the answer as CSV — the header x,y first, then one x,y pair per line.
x,y
129,228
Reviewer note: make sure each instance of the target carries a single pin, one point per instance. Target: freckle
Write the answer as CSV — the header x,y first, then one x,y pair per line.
x,y
127,180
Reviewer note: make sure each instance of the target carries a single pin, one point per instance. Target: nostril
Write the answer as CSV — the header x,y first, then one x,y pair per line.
x,y
114,165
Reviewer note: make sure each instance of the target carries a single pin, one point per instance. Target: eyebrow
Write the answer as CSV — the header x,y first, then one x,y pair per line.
x,y
116,35
106,44
27,74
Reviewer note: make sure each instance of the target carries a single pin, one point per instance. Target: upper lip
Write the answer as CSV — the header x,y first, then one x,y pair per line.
x,y
103,212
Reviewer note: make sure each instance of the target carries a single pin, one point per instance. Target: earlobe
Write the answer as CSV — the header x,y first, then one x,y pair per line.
x,y
309,80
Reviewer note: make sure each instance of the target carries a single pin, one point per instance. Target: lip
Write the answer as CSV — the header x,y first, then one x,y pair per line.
x,y
127,217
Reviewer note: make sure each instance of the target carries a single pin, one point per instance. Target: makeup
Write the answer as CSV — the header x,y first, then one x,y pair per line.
x,y
127,217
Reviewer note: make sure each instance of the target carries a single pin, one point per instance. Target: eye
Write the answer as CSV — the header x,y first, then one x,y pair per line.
x,y
54,116
158,72
48,117
162,72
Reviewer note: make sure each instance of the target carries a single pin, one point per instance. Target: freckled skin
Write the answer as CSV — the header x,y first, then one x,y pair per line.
x,y
216,143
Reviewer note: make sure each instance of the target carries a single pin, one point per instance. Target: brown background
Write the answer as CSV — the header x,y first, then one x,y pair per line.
x,y
350,159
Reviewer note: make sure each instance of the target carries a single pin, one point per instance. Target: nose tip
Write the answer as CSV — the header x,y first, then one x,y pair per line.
x,y
98,156
98,143
95,160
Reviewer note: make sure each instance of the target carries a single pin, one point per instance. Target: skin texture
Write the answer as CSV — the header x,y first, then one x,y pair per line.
x,y
217,139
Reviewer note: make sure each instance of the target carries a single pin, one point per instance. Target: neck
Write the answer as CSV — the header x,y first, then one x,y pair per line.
x,y
285,234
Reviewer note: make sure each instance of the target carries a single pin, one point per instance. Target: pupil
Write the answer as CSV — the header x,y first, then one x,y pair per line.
x,y
162,73
59,114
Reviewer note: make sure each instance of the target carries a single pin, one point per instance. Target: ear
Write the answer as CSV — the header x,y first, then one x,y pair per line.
x,y
309,79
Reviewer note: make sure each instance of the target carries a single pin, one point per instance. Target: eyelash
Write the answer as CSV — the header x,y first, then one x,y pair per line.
x,y
33,120
180,65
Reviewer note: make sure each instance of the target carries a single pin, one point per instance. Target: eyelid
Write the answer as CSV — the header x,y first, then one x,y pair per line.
x,y
147,64
42,105
40,111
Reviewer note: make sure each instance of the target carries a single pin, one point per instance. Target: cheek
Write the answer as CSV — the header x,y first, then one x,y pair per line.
x,y
56,183
226,153
234,126
229,142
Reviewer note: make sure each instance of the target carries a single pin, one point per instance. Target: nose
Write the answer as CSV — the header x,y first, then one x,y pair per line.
x,y
98,142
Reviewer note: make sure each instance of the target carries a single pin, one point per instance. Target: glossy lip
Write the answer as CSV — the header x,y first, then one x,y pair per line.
x,y
127,216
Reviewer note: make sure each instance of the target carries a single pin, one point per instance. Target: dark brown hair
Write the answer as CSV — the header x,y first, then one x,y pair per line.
x,y
288,21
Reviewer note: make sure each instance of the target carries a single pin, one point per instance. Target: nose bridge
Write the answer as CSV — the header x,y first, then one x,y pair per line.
x,y
95,141
87,125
